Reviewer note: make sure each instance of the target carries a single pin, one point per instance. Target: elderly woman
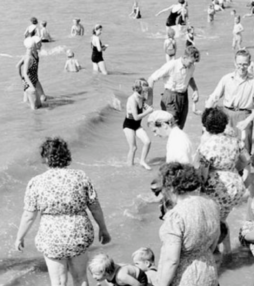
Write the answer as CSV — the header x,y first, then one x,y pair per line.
x,y
218,154
62,197
33,91
190,230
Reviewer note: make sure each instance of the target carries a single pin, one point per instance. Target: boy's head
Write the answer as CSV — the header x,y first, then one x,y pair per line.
x,y
34,21
69,54
171,33
143,258
44,23
237,19
101,267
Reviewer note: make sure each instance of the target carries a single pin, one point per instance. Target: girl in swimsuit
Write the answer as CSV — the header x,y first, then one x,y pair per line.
x,y
98,48
102,268
33,92
136,110
135,14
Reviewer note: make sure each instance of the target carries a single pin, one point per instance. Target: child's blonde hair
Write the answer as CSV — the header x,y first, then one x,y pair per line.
x,y
144,254
171,33
102,263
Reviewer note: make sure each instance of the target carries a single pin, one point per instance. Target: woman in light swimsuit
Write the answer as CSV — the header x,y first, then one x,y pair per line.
x,y
33,92
77,29
98,48
136,110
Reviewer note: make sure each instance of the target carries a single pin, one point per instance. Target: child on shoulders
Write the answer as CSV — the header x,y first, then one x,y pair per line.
x,y
71,64
170,45
102,267
144,259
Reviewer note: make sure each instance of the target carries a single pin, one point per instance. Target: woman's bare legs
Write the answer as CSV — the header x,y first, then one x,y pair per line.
x,y
131,139
33,99
102,68
77,267
141,134
57,271
40,91
95,67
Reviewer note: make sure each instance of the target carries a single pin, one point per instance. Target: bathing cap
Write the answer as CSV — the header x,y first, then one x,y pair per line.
x,y
159,116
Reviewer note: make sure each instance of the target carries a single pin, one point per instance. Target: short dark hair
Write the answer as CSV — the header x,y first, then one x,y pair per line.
x,y
34,20
243,53
56,151
181,177
192,52
214,120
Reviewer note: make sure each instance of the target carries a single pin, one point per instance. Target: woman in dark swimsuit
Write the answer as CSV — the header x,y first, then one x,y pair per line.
x,y
175,13
136,110
29,76
98,48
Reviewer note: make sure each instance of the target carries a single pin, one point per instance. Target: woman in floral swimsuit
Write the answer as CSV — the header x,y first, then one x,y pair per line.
x,y
62,197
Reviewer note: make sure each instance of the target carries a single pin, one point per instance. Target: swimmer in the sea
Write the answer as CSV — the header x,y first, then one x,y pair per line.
x,y
77,29
135,13
44,33
98,48
136,110
71,64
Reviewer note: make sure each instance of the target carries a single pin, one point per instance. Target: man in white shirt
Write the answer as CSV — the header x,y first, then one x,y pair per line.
x,y
179,146
237,88
177,76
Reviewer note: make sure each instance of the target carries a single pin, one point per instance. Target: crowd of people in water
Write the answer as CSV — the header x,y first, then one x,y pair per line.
x,y
197,189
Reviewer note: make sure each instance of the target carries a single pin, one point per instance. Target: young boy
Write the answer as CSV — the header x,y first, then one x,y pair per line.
x,y
210,13
102,267
144,259
169,45
45,36
237,33
71,64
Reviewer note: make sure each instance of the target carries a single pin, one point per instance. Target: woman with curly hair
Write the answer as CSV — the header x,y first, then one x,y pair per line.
x,y
190,230
218,155
61,196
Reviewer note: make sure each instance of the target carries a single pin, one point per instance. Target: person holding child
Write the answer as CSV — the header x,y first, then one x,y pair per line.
x,y
190,230
103,267
71,64
144,259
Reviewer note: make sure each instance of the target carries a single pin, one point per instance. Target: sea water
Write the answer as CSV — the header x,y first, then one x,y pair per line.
x,y
87,110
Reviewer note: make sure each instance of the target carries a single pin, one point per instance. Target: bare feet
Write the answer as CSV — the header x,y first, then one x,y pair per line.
x,y
143,164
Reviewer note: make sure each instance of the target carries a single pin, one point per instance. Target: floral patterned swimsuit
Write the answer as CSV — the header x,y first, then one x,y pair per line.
x,y
62,197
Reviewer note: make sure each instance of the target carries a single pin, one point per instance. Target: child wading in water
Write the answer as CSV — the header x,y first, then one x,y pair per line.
x,y
144,258
190,37
237,33
102,267
44,33
170,45
210,13
71,64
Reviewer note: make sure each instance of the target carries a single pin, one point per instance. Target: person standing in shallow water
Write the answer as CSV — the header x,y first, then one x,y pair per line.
x,y
62,196
136,110
98,48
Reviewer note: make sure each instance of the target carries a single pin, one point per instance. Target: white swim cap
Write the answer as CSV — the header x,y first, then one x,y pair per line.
x,y
30,42
159,116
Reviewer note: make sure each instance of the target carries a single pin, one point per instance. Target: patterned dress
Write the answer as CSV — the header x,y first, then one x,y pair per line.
x,y
62,197
194,223
224,184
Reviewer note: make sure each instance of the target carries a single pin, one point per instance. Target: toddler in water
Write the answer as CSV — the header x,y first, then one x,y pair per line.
x,y
144,259
237,33
77,29
190,36
210,13
102,267
71,64
170,45
45,36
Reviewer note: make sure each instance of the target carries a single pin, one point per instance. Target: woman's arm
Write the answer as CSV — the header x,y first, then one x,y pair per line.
x,y
27,221
164,10
19,65
134,109
169,261
98,216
